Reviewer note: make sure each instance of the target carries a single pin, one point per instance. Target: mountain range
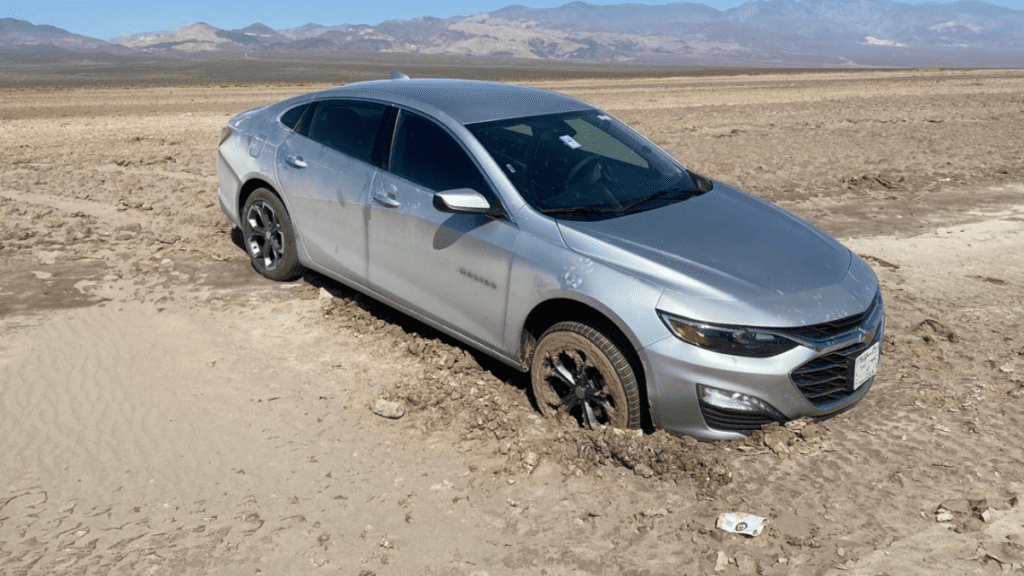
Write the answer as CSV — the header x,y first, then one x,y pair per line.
x,y
966,33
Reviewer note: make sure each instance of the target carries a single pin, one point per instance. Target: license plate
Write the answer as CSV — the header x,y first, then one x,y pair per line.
x,y
866,366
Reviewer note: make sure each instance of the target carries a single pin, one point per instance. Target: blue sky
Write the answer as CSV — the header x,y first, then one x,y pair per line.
x,y
110,18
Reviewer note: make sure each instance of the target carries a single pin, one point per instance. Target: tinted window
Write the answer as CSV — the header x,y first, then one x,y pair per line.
x,y
348,127
583,164
593,139
424,153
291,117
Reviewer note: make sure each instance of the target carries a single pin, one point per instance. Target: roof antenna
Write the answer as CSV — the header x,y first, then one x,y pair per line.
x,y
398,75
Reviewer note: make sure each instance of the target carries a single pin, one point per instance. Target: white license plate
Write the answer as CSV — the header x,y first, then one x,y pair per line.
x,y
866,366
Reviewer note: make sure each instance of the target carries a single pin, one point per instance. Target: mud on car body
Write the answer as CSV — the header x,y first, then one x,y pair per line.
x,y
548,234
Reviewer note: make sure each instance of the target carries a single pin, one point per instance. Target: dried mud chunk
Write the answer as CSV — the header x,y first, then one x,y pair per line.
x,y
748,565
659,453
1008,554
951,510
721,561
879,261
803,437
643,470
970,525
930,328
417,346
885,181
388,409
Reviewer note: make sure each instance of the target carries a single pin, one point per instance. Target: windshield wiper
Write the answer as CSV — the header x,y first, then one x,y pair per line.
x,y
580,210
659,194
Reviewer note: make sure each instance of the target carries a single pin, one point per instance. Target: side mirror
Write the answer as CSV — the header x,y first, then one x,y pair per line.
x,y
464,201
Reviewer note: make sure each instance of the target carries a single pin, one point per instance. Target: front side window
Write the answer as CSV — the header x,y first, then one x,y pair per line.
x,y
427,155
348,127
583,164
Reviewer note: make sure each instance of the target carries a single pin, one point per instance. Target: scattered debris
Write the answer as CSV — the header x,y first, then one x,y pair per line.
x,y
872,181
930,328
880,262
803,437
740,523
722,562
748,565
943,515
1009,555
388,408
659,454
970,514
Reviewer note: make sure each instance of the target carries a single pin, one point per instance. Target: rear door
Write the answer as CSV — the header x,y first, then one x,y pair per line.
x,y
452,267
327,174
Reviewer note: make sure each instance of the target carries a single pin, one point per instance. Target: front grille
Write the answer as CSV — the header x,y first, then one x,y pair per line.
x,y
733,421
828,379
827,330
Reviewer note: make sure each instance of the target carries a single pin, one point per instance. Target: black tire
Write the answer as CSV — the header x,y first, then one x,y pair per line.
x,y
577,370
269,238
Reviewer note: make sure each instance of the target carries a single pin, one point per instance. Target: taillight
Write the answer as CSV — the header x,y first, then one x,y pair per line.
x,y
225,133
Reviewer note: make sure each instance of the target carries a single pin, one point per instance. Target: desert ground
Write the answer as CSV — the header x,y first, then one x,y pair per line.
x,y
164,410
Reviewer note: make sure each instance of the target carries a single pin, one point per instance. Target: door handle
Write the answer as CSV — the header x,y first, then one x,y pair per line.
x,y
386,199
296,161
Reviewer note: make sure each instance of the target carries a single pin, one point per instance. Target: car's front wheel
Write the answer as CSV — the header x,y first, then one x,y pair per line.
x,y
578,371
269,236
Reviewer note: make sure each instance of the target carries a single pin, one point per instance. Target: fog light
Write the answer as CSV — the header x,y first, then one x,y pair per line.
x,y
736,402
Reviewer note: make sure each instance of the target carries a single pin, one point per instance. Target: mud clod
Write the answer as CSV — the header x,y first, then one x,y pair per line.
x,y
388,409
797,438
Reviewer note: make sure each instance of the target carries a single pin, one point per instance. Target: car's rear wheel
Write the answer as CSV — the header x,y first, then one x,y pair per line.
x,y
269,237
577,370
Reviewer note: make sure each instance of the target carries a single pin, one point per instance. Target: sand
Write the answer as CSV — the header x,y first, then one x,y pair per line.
x,y
165,410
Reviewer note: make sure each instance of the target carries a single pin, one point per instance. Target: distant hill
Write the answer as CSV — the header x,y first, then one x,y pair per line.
x,y
22,40
966,33
311,30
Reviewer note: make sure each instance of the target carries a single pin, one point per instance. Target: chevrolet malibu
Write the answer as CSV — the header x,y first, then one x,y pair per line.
x,y
546,233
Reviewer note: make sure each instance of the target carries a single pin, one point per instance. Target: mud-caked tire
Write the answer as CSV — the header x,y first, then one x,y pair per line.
x,y
577,370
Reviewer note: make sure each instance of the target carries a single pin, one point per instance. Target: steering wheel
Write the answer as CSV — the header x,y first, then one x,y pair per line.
x,y
585,163
593,166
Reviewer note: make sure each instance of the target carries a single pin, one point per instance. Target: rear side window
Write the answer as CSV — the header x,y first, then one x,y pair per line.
x,y
348,127
424,153
291,118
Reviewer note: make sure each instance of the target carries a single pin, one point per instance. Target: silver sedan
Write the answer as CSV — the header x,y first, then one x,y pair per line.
x,y
546,233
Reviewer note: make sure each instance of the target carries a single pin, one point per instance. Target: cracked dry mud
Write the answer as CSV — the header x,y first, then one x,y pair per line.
x,y
164,410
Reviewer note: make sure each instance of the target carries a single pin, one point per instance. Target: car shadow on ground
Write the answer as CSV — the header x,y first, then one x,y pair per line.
x,y
380,311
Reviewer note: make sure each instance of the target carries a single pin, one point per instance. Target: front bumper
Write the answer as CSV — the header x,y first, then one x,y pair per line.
x,y
676,368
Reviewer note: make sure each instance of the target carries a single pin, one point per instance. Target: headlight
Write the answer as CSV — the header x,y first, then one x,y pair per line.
x,y
732,340
737,402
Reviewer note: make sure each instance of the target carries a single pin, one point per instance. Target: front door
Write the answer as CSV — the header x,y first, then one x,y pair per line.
x,y
453,268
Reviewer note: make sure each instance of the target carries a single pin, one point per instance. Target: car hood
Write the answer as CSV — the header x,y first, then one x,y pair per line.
x,y
725,256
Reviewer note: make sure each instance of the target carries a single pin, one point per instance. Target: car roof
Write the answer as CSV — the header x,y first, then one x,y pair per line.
x,y
467,101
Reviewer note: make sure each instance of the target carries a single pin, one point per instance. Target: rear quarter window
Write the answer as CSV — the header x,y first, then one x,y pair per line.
x,y
291,118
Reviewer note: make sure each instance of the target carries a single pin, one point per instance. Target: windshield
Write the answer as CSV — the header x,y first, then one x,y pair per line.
x,y
583,164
